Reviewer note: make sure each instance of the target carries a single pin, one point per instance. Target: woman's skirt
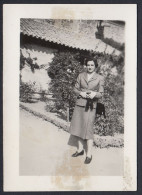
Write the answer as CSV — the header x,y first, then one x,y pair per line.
x,y
82,123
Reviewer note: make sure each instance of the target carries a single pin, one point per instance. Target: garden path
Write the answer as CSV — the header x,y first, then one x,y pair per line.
x,y
44,151
39,110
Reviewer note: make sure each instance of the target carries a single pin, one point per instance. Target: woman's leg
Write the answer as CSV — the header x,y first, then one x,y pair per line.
x,y
89,147
80,150
80,145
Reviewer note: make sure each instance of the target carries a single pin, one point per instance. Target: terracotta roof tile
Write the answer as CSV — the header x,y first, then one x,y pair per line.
x,y
49,32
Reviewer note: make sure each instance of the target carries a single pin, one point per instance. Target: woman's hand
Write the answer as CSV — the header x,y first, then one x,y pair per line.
x,y
83,94
92,94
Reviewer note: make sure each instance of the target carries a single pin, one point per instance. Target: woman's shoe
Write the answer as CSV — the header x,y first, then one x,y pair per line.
x,y
78,153
88,160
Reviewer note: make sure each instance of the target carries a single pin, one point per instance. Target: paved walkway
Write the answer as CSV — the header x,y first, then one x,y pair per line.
x,y
38,109
44,151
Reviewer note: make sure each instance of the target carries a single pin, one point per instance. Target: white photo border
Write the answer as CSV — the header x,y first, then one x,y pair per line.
x,y
11,54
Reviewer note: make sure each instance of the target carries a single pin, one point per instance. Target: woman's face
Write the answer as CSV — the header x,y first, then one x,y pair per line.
x,y
90,66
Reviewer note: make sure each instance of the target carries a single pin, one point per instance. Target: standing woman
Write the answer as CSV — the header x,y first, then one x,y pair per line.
x,y
89,88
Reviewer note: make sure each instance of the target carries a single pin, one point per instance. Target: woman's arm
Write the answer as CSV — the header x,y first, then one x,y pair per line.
x,y
76,89
100,93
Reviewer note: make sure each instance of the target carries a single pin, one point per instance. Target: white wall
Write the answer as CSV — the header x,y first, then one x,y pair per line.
x,y
44,57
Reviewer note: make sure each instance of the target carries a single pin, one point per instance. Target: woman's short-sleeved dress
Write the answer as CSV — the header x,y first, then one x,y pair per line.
x,y
83,120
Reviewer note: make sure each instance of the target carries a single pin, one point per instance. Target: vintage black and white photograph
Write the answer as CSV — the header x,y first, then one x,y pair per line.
x,y
72,99
71,93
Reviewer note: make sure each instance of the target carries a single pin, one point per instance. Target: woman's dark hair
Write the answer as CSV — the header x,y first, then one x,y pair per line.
x,y
91,59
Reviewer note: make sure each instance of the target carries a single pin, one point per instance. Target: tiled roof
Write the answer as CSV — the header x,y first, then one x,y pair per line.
x,y
52,33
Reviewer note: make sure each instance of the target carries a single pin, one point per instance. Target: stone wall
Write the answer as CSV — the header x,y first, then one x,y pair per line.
x,y
89,27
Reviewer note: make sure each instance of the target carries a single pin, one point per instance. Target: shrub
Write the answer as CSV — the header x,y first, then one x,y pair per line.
x,y
26,91
63,71
113,98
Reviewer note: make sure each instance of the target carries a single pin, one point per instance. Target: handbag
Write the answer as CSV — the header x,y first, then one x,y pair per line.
x,y
100,109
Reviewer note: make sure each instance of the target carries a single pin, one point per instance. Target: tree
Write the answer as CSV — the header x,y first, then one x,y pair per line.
x,y
63,71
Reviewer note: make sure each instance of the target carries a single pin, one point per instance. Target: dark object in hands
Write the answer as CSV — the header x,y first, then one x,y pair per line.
x,y
89,104
100,109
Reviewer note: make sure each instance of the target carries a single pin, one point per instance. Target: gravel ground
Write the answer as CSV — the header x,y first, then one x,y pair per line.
x,y
44,151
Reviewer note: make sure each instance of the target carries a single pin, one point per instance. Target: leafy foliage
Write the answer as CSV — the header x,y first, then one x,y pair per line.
x,y
113,96
26,91
23,60
64,70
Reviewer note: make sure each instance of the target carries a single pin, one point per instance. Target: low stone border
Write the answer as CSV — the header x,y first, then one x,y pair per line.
x,y
99,141
46,118
108,141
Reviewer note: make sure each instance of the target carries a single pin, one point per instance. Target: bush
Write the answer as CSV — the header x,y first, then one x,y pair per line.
x,y
26,91
63,71
113,98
